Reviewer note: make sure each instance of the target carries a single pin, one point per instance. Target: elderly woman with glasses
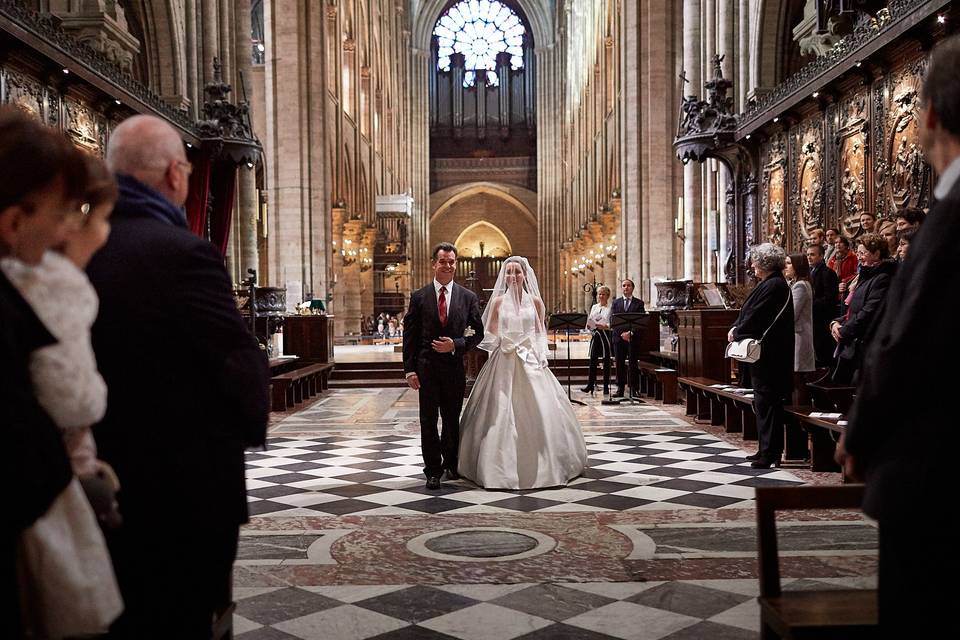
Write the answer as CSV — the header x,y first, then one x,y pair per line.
x,y
850,331
767,314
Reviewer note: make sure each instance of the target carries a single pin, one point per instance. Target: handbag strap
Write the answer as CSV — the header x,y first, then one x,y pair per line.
x,y
789,300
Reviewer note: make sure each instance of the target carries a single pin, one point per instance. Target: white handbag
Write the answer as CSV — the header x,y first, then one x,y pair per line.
x,y
748,350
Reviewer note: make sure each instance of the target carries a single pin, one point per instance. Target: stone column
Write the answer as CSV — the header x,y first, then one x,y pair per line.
x,y
247,198
193,82
420,153
742,84
630,238
692,244
725,46
210,46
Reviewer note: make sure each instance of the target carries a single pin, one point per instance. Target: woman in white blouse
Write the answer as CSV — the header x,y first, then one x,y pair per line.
x,y
600,345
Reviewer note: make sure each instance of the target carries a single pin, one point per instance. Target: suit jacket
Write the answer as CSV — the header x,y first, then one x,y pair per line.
x,y
421,326
902,424
635,306
774,370
188,383
36,467
826,294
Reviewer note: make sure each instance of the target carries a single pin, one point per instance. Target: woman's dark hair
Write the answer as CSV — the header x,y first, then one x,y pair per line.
x,y
800,267
443,246
912,215
844,241
906,235
873,243
34,156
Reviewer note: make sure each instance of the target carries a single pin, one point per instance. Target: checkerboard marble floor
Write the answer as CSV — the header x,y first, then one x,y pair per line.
x,y
674,610
382,475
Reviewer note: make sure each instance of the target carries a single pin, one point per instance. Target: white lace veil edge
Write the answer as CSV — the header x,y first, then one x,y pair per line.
x,y
513,302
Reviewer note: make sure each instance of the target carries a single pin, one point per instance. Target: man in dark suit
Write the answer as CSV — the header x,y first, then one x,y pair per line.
x,y
826,304
188,393
902,426
434,342
626,344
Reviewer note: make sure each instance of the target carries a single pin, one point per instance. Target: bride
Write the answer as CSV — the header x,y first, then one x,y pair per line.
x,y
518,430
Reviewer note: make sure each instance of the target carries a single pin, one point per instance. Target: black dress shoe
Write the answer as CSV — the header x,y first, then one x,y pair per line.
x,y
755,456
433,483
764,463
587,389
451,475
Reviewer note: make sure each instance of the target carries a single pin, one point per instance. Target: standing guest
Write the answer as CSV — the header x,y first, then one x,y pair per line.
x,y
843,263
626,344
909,218
43,181
904,238
188,393
600,344
866,302
817,238
826,307
903,449
868,223
831,243
888,231
797,273
767,314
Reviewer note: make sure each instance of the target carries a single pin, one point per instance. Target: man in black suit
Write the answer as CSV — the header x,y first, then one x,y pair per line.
x,y
626,344
902,427
188,393
826,304
434,342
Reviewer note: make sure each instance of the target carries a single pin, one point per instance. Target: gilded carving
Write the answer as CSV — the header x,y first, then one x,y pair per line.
x,y
807,188
851,141
24,92
82,126
774,199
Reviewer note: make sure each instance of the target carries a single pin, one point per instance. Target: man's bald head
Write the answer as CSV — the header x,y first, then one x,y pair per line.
x,y
150,150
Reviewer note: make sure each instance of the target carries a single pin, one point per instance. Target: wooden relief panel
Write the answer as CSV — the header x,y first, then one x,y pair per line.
x,y
806,194
774,194
902,176
851,170
24,92
82,125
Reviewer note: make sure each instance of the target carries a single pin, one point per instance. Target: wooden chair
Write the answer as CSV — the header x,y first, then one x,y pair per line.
x,y
795,615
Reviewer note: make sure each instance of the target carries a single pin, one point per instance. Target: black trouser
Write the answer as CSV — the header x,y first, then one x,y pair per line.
x,y
916,558
600,346
823,342
173,579
768,407
441,396
623,349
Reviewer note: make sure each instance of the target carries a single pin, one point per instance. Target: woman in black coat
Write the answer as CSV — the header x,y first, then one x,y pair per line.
x,y
769,306
850,331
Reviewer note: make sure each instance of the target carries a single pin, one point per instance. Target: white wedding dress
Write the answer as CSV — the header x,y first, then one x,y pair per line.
x,y
518,430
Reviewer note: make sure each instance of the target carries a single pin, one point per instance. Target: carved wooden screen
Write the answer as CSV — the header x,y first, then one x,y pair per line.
x,y
849,192
773,193
806,187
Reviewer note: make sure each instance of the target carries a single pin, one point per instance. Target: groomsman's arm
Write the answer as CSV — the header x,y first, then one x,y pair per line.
x,y
412,327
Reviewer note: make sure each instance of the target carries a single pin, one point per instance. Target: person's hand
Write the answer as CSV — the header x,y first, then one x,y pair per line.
x,y
843,287
625,336
730,334
413,382
835,330
444,345
847,462
600,325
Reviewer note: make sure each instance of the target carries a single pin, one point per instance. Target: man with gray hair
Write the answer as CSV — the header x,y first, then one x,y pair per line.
x,y
903,449
187,393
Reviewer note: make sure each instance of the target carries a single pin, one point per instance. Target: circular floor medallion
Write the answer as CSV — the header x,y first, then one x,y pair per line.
x,y
481,544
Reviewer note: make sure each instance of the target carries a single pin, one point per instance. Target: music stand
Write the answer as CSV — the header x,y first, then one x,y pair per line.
x,y
620,322
566,322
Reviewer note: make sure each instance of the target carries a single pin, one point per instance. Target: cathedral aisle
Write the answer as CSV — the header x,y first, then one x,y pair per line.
x,y
656,540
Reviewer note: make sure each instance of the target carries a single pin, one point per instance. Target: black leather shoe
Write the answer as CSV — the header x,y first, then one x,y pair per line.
x,y
433,483
587,389
451,475
755,456
764,463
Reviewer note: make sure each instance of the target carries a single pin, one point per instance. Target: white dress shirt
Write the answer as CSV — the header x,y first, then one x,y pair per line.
x,y
436,288
599,315
947,180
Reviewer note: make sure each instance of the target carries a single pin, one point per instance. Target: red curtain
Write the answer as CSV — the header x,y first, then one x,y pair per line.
x,y
196,204
223,186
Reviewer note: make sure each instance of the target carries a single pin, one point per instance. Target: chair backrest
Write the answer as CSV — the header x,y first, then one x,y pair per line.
x,y
772,499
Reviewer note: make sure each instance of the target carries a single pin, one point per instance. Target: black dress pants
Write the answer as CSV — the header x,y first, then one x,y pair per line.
x,y
768,406
623,350
442,385
600,347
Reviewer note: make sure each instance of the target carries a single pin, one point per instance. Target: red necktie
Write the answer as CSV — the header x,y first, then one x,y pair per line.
x,y
442,306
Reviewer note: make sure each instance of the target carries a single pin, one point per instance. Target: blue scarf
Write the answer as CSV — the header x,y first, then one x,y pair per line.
x,y
138,200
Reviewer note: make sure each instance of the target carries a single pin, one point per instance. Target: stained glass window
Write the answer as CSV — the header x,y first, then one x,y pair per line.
x,y
480,29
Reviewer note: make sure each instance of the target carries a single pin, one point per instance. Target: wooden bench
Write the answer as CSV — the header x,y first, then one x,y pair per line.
x,y
732,411
292,388
845,614
823,433
659,383
829,397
